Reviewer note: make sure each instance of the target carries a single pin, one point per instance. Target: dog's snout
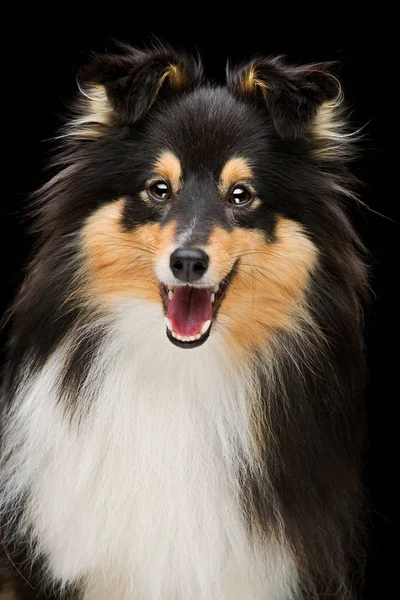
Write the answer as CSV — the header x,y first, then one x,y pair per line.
x,y
189,264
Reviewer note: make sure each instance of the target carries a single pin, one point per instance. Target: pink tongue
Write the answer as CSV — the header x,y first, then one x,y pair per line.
x,y
189,309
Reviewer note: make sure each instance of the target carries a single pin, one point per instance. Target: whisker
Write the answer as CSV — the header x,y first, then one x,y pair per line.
x,y
144,268
283,259
275,279
135,244
129,247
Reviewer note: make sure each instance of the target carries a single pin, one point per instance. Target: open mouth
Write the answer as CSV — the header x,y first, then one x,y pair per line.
x,y
190,311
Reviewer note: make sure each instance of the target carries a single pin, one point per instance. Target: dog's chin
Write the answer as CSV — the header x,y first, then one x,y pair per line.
x,y
190,311
187,345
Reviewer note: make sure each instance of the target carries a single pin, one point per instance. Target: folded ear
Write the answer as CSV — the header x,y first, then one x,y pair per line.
x,y
124,85
291,94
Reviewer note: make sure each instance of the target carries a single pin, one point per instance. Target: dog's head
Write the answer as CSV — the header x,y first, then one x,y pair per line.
x,y
208,201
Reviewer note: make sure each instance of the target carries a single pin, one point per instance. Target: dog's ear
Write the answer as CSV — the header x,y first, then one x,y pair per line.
x,y
292,95
124,85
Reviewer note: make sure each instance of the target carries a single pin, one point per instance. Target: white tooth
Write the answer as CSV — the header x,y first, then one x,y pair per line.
x,y
205,327
180,338
174,335
191,338
216,288
212,298
168,323
197,337
170,294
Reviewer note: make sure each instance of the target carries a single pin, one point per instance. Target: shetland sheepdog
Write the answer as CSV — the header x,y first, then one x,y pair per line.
x,y
182,413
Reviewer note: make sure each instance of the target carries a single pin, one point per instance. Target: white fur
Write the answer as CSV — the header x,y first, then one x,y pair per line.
x,y
138,493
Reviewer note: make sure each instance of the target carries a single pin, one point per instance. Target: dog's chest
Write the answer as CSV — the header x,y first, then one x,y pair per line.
x,y
146,486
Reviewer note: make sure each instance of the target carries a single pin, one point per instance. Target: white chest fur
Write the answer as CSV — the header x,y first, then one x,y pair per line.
x,y
141,496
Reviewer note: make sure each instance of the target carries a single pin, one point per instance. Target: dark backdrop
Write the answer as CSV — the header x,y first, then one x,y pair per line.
x,y
43,56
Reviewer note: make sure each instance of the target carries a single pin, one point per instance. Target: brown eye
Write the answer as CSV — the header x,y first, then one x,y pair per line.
x,y
240,196
160,191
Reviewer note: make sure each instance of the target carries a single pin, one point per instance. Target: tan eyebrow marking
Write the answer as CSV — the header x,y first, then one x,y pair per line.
x,y
168,167
235,169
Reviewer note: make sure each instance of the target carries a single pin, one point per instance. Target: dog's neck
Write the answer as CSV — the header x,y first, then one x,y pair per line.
x,y
151,468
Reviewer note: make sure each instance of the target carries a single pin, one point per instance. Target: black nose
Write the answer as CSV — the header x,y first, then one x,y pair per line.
x,y
188,264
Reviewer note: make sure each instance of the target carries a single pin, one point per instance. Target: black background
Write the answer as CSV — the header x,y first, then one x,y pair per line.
x,y
43,56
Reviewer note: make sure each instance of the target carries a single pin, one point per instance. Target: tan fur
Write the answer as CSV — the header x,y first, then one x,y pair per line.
x,y
168,166
328,129
324,122
267,292
176,76
97,113
98,104
119,265
235,170
249,82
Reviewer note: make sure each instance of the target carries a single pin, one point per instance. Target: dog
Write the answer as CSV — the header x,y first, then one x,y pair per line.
x,y
182,405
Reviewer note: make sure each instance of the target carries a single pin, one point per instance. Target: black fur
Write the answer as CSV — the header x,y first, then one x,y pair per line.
x,y
315,455
292,94
134,78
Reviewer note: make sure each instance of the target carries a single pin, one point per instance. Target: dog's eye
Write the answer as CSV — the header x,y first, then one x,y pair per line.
x,y
240,196
160,191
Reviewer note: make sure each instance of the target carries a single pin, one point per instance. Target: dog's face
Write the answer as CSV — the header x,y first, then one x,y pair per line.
x,y
203,194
